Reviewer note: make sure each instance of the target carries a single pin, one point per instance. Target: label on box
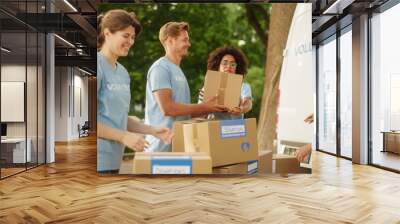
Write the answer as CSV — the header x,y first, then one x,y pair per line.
x,y
252,167
170,169
171,165
233,128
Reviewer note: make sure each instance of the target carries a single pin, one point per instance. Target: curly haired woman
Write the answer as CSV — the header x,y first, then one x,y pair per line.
x,y
230,60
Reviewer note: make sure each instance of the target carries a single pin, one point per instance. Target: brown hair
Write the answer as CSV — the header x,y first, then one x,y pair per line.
x,y
172,29
115,20
215,57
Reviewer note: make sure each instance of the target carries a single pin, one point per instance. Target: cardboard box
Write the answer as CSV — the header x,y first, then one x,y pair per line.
x,y
126,166
392,142
249,167
171,163
265,161
287,164
177,140
262,165
226,86
227,141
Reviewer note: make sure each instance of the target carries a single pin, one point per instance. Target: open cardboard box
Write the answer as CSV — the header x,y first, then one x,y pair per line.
x,y
285,164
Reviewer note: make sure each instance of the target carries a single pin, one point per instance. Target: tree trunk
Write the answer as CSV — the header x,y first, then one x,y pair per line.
x,y
281,19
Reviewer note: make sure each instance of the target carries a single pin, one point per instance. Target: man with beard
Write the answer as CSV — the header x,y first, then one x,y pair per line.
x,y
167,90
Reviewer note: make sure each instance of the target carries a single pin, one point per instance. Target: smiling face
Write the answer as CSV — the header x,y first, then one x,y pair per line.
x,y
180,44
228,64
121,41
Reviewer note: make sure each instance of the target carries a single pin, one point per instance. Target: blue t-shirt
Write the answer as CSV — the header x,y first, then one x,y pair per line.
x,y
113,100
164,74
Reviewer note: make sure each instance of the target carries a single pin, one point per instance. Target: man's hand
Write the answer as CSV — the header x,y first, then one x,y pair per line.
x,y
236,111
165,134
134,141
211,106
309,119
303,152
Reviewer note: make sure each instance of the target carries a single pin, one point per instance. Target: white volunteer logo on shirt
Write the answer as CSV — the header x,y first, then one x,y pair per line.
x,y
179,78
117,87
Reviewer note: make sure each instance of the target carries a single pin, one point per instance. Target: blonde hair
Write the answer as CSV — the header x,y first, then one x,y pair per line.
x,y
172,29
115,20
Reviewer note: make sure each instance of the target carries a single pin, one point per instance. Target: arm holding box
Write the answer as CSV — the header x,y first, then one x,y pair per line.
x,y
305,150
173,109
246,102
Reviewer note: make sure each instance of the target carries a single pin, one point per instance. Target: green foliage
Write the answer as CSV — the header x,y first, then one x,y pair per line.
x,y
211,26
255,77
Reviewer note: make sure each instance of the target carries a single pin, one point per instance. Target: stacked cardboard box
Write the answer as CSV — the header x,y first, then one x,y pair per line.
x,y
199,145
226,141
263,165
171,163
249,167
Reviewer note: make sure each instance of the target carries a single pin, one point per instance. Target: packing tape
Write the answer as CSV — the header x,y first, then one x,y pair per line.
x,y
222,86
195,138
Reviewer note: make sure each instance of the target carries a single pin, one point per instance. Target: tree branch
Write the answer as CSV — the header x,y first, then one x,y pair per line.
x,y
253,21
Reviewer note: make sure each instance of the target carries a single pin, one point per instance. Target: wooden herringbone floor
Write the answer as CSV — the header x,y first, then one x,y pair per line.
x,y
70,191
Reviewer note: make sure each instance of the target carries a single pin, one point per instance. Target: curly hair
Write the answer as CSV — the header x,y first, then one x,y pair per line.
x,y
215,57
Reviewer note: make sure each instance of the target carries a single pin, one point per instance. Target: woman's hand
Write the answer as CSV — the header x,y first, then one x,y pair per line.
x,y
165,134
236,111
244,107
134,141
246,104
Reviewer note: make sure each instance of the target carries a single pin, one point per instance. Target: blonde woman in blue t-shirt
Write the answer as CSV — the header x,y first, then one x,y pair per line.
x,y
117,30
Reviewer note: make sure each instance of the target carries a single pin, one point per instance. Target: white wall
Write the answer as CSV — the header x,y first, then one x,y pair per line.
x,y
61,103
12,100
12,73
34,124
81,83
16,73
71,87
296,83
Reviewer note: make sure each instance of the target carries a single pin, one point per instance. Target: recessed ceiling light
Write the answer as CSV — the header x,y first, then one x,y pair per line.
x,y
337,7
5,50
84,71
64,40
70,5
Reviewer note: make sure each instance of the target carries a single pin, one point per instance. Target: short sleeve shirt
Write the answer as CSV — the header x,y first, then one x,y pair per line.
x,y
164,74
113,100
